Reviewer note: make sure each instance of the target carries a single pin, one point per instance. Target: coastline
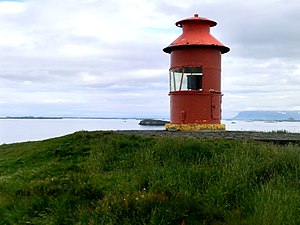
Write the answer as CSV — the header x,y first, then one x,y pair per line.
x,y
280,137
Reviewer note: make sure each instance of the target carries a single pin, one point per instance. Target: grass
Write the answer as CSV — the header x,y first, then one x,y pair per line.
x,y
105,178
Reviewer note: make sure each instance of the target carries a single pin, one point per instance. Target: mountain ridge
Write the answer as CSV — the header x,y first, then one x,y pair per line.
x,y
265,115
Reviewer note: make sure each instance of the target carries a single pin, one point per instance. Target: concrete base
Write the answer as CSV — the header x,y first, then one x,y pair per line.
x,y
195,127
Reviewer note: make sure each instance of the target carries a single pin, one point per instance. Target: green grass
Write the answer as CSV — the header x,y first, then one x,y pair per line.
x,y
105,178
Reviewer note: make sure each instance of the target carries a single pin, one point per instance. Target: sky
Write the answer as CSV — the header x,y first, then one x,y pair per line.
x,y
104,58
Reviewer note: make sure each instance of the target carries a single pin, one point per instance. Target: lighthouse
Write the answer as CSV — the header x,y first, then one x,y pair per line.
x,y
195,77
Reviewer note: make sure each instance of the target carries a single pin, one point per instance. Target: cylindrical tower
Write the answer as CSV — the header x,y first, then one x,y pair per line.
x,y
195,77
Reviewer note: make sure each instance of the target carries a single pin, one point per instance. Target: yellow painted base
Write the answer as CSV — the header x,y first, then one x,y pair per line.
x,y
187,127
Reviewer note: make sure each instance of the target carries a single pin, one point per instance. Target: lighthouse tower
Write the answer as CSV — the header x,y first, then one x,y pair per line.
x,y
195,77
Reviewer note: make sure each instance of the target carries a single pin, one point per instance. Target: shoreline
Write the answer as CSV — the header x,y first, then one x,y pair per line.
x,y
275,137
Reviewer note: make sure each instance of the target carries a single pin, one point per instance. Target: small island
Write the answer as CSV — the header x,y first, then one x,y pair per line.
x,y
152,122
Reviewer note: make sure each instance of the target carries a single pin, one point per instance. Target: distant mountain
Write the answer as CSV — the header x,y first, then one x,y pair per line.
x,y
30,117
269,115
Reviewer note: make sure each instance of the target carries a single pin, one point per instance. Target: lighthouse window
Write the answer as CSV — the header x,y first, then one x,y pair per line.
x,y
186,78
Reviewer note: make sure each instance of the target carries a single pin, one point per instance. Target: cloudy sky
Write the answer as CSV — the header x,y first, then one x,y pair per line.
x,y
105,58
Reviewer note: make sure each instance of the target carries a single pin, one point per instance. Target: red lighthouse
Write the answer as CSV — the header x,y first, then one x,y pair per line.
x,y
195,77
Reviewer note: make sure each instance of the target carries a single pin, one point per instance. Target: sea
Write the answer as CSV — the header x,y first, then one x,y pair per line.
x,y
23,130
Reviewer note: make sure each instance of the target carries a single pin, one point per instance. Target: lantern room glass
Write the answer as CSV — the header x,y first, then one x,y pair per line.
x,y
186,78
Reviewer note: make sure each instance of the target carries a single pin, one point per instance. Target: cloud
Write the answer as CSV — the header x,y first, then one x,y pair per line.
x,y
263,29
91,57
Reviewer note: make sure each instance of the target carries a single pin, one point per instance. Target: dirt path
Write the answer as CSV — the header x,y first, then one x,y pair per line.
x,y
280,138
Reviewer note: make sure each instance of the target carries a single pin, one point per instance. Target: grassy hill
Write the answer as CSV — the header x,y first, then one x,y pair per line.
x,y
106,178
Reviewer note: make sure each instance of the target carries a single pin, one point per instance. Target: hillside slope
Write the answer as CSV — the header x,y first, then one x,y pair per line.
x,y
108,178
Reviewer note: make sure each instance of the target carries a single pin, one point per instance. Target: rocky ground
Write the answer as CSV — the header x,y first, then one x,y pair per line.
x,y
275,137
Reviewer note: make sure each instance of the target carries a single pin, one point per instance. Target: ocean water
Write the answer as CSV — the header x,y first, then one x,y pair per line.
x,y
22,130
267,126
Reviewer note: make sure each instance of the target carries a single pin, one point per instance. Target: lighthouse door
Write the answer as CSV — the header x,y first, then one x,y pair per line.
x,y
215,107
